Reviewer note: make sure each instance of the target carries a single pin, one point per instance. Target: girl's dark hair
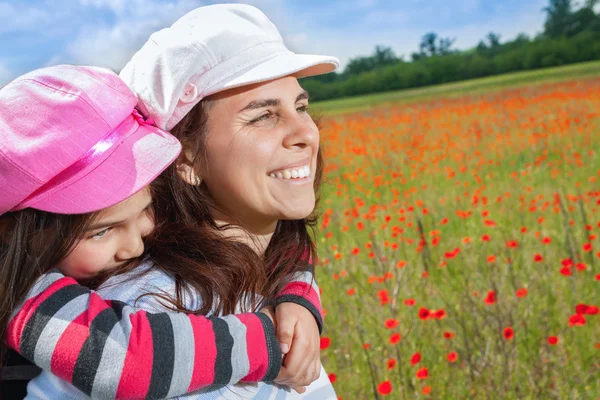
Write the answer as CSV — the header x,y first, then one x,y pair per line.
x,y
31,243
190,246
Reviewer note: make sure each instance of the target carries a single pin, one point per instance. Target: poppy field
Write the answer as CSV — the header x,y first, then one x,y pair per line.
x,y
459,246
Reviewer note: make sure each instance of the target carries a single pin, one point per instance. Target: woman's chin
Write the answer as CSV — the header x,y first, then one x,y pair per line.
x,y
299,211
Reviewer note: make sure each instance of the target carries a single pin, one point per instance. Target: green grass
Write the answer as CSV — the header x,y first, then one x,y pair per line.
x,y
511,160
457,89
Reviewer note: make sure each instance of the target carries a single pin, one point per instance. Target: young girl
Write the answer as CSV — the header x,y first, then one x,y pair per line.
x,y
72,142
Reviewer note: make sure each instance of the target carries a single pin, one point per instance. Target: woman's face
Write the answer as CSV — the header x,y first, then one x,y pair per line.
x,y
261,153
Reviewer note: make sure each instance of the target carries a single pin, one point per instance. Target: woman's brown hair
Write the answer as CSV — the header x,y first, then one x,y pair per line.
x,y
190,246
32,242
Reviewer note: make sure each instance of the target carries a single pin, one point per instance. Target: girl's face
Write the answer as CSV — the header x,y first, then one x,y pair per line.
x,y
113,238
261,154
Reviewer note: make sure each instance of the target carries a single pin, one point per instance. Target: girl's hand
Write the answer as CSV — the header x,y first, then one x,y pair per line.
x,y
298,335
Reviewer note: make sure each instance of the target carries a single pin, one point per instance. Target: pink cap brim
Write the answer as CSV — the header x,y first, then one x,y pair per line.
x,y
133,164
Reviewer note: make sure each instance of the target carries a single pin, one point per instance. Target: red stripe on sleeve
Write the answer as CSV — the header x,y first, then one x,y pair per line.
x,y
73,338
17,324
304,290
205,347
140,357
256,349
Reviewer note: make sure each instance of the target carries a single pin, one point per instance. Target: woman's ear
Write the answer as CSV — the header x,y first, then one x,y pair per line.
x,y
186,170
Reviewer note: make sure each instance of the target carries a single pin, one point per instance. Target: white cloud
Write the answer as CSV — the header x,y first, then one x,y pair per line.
x,y
113,45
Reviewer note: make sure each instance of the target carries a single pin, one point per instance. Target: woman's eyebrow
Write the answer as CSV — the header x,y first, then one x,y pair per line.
x,y
253,105
303,96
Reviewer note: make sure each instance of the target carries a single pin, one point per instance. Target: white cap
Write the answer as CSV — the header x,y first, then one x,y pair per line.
x,y
208,50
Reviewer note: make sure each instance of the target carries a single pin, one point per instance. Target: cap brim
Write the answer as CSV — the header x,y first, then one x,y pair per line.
x,y
283,64
133,164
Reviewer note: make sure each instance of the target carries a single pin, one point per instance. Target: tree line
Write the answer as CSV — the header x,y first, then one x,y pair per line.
x,y
571,34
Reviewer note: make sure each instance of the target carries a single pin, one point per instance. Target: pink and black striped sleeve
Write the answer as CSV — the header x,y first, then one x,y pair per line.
x,y
301,288
108,349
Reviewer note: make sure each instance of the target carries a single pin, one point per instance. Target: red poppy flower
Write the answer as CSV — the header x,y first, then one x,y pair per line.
x,y
355,251
448,335
552,340
384,388
409,302
366,346
582,309
491,258
581,266
587,247
566,271
490,298
509,333
438,314
391,323
332,378
325,342
424,313
489,222
351,292
395,338
522,292
546,240
538,258
391,363
567,262
426,390
415,358
576,320
422,373
512,244
452,356
486,238
383,296
452,254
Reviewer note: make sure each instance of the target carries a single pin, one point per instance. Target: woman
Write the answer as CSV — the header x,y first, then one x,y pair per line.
x,y
244,188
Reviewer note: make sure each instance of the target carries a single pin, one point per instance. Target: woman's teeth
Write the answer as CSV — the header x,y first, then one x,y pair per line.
x,y
292,173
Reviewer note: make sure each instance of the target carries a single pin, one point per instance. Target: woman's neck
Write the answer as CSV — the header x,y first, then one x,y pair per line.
x,y
257,236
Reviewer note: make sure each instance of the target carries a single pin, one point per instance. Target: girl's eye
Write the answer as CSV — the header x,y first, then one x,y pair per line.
x,y
302,109
101,234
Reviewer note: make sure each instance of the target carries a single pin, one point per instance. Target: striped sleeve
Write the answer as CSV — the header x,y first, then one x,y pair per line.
x,y
302,289
108,349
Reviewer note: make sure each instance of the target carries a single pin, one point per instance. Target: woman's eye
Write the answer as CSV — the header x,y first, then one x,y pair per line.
x,y
263,117
302,108
101,234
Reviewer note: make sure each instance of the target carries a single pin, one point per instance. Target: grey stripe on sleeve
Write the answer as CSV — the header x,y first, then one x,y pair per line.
x,y
113,359
239,354
55,328
184,364
42,284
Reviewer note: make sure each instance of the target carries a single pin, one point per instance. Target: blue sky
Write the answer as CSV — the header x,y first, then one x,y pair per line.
x,y
37,33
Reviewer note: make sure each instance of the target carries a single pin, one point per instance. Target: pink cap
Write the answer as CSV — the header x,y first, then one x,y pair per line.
x,y
72,142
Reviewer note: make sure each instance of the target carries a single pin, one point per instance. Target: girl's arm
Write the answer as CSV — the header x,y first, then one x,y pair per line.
x,y
108,349
302,289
